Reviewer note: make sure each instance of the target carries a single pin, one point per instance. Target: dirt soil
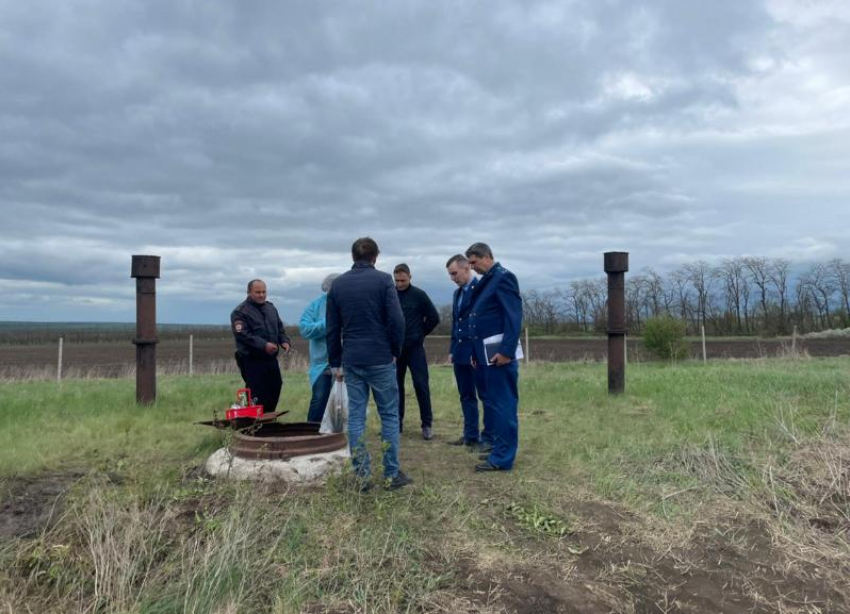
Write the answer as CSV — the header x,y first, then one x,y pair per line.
x,y
730,568
603,566
28,505
117,359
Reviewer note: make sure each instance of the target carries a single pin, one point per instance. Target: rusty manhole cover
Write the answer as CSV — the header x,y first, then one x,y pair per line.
x,y
279,441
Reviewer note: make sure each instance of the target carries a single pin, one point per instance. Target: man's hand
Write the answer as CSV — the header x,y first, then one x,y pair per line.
x,y
271,348
451,360
337,373
285,347
500,360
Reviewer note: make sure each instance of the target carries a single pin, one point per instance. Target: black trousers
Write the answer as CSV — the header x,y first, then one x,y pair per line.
x,y
414,358
262,376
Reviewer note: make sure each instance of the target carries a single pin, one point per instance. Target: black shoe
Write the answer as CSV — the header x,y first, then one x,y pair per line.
x,y
427,433
362,486
484,456
398,481
460,441
487,466
486,448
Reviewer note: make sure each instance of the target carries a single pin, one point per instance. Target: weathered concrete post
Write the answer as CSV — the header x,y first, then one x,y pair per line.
x,y
145,269
616,265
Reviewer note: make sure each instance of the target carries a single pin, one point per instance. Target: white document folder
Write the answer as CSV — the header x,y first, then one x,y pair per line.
x,y
492,344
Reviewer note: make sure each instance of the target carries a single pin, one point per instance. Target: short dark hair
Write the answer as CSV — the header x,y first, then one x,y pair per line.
x,y
252,282
459,258
479,250
402,268
364,248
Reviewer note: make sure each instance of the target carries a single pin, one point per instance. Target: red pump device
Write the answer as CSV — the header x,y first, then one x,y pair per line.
x,y
243,407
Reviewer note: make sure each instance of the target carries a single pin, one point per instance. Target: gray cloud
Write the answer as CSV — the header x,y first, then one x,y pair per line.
x,y
259,139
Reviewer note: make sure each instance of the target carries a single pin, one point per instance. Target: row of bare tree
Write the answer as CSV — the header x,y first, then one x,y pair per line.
x,y
738,296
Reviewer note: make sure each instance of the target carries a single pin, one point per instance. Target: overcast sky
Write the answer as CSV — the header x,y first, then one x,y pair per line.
x,y
260,138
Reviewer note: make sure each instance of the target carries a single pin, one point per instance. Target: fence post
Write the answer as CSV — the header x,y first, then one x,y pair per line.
x,y
59,365
191,353
616,266
527,347
145,270
704,356
794,340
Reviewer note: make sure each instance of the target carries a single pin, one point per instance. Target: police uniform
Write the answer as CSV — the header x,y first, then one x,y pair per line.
x,y
497,310
254,325
470,383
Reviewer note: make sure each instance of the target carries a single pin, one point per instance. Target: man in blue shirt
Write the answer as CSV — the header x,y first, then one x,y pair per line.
x,y
313,326
496,317
470,382
365,337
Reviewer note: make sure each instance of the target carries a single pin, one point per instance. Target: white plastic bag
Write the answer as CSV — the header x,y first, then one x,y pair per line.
x,y
336,412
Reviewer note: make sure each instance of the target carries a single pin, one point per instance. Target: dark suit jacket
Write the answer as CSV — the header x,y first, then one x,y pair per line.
x,y
461,344
364,319
496,309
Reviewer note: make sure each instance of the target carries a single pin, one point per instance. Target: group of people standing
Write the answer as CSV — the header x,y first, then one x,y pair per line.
x,y
368,328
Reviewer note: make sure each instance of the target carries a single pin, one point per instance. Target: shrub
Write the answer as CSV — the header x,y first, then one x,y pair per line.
x,y
665,337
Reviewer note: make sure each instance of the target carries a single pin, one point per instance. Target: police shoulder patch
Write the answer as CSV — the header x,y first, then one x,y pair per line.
x,y
237,326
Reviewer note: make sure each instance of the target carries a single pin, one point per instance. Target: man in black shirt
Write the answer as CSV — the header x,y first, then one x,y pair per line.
x,y
420,318
259,333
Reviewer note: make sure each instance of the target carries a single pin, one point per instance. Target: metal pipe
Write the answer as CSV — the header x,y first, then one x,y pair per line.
x,y
616,265
145,269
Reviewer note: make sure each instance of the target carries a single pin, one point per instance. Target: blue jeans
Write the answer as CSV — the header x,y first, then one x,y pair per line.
x,y
381,379
321,394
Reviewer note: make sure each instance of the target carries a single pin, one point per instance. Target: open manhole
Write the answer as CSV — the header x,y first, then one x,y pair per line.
x,y
282,441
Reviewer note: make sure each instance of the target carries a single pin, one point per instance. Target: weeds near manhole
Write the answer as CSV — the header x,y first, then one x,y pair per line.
x,y
538,521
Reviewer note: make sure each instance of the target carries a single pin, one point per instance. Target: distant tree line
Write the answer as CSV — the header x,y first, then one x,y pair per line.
x,y
738,296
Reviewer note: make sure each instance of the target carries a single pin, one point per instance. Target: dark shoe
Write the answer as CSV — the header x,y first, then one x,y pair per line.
x,y
398,481
427,434
484,456
487,466
486,448
362,486
460,441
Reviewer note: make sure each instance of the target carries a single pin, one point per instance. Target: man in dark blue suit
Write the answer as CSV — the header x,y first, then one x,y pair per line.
x,y
470,383
495,322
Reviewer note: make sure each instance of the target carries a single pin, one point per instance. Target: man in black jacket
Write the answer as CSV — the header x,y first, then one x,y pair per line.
x,y
259,332
365,334
420,318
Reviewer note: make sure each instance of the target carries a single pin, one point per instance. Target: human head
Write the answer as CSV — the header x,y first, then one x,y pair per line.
x,y
401,274
327,281
365,248
257,291
458,269
480,257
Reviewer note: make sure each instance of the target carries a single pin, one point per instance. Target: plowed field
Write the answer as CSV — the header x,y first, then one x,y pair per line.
x,y
116,359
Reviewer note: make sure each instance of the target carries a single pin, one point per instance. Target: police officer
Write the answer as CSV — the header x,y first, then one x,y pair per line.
x,y
259,335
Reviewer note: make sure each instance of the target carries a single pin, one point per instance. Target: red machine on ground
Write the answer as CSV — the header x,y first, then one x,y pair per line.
x,y
243,407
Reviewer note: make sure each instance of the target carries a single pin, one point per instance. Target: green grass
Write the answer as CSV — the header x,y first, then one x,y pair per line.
x,y
685,443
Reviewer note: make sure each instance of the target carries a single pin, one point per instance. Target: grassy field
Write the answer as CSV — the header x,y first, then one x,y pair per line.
x,y
719,488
